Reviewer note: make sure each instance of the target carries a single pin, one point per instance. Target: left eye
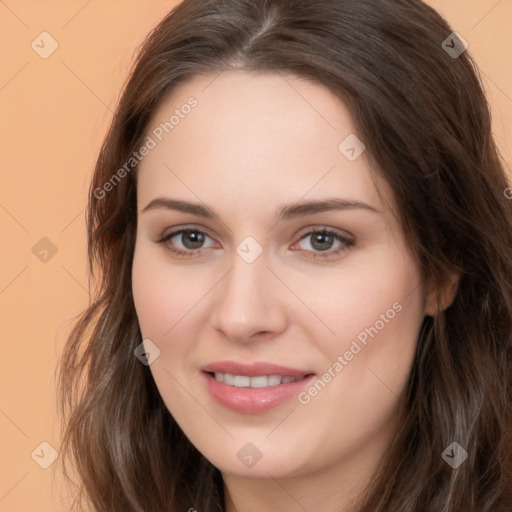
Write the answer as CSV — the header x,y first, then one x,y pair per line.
x,y
324,241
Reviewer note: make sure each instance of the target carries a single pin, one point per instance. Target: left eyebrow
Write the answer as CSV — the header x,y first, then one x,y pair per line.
x,y
288,212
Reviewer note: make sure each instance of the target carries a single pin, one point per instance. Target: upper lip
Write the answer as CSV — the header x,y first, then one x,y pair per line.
x,y
253,369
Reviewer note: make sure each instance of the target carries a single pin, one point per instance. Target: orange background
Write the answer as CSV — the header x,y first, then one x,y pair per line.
x,y
54,114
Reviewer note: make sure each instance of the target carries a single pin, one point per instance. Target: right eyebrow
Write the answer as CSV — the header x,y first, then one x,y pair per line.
x,y
181,206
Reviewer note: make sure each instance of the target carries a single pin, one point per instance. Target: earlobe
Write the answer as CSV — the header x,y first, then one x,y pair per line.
x,y
431,303
453,288
439,298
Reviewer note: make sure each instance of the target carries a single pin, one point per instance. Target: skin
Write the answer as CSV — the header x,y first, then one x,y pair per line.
x,y
253,143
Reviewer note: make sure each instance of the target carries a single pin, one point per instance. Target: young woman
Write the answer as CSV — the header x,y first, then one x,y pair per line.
x,y
302,239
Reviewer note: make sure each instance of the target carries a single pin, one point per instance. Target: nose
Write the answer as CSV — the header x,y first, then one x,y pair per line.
x,y
250,303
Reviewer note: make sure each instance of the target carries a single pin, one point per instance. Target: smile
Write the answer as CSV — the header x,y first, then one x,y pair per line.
x,y
260,381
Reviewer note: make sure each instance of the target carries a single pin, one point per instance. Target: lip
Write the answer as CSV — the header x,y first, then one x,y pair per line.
x,y
253,369
253,400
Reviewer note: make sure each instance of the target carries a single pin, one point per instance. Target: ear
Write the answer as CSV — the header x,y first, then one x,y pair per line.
x,y
440,297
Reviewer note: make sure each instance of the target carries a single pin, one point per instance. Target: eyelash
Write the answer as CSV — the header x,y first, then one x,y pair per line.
x,y
346,243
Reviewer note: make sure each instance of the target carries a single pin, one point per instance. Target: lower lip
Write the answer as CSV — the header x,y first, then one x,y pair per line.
x,y
254,400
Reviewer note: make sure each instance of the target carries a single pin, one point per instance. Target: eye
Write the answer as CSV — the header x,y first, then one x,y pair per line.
x,y
320,243
185,242
323,243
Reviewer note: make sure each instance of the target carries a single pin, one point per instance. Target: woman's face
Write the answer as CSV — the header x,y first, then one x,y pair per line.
x,y
290,266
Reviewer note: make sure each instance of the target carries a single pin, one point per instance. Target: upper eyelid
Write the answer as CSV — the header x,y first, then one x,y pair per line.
x,y
319,228
176,231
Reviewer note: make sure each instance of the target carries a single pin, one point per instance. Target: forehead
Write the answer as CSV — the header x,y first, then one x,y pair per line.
x,y
252,138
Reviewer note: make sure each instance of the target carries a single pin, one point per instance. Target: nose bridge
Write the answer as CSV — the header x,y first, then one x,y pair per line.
x,y
248,301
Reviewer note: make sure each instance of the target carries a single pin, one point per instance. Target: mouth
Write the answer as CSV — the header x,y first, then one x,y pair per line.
x,y
254,388
259,381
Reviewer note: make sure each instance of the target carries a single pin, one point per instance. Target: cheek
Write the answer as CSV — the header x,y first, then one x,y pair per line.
x,y
367,303
166,303
374,318
152,300
163,295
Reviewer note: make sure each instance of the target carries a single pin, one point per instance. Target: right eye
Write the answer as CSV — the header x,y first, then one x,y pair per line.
x,y
185,242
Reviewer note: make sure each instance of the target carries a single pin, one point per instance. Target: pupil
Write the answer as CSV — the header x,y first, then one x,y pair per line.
x,y
321,240
196,239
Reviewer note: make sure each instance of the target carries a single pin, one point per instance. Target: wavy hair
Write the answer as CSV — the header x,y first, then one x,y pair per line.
x,y
427,128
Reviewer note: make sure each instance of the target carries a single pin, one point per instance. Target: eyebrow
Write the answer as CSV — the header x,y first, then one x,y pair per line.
x,y
284,213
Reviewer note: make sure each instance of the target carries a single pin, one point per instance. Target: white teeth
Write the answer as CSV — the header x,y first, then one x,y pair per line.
x,y
241,381
259,382
263,381
274,380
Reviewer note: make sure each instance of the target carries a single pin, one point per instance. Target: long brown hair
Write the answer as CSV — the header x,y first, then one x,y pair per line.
x,y
426,124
